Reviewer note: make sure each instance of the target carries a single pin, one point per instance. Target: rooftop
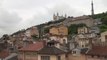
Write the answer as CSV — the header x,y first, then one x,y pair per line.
x,y
98,51
50,50
4,53
33,47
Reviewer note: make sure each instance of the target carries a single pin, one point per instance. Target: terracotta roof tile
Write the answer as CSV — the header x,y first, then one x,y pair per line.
x,y
4,54
50,50
98,50
33,47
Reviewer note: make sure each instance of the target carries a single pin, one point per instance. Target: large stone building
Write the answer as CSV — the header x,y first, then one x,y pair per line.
x,y
30,52
50,52
41,51
59,34
57,17
79,20
103,38
32,31
76,54
85,38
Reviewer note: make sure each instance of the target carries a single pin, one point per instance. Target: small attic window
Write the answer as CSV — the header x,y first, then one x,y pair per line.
x,y
50,44
74,52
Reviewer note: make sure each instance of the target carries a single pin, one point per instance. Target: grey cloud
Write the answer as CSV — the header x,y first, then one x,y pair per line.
x,y
104,2
64,8
26,4
36,19
61,8
9,18
8,21
1,1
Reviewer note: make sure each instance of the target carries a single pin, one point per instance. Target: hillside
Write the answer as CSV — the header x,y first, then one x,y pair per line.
x,y
103,17
67,21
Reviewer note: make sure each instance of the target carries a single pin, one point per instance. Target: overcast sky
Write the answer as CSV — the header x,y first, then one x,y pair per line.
x,y
19,14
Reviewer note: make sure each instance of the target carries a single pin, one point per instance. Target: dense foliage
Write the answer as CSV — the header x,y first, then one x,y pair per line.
x,y
103,17
103,28
35,37
72,29
46,30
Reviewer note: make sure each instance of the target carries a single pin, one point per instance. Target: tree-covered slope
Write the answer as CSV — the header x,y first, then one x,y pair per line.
x,y
103,17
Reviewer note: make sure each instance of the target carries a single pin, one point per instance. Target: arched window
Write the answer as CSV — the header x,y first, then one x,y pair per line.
x,y
64,41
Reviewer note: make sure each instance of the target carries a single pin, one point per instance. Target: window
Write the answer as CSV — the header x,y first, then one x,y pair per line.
x,y
83,46
34,53
106,37
74,52
64,41
105,57
58,58
28,53
45,57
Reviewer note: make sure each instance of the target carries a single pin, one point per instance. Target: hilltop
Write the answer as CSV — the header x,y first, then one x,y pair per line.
x,y
103,17
44,27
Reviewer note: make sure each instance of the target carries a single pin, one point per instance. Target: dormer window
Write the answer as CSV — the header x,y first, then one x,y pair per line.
x,y
74,52
50,44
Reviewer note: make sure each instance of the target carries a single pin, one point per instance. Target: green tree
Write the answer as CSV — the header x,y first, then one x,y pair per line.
x,y
103,28
73,28
46,30
104,20
35,37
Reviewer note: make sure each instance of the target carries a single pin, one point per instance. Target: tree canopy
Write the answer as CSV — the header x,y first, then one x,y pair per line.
x,y
103,28
103,17
72,29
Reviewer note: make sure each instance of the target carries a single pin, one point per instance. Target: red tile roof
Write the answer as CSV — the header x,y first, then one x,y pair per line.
x,y
4,54
51,50
98,50
33,47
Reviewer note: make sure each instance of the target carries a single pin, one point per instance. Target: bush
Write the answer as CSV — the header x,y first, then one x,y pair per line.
x,y
103,28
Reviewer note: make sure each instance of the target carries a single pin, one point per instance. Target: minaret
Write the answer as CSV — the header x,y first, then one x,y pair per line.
x,y
92,8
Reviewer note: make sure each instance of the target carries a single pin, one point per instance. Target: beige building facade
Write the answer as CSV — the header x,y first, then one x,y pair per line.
x,y
83,30
28,56
80,57
59,34
104,36
60,30
30,52
52,57
32,31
